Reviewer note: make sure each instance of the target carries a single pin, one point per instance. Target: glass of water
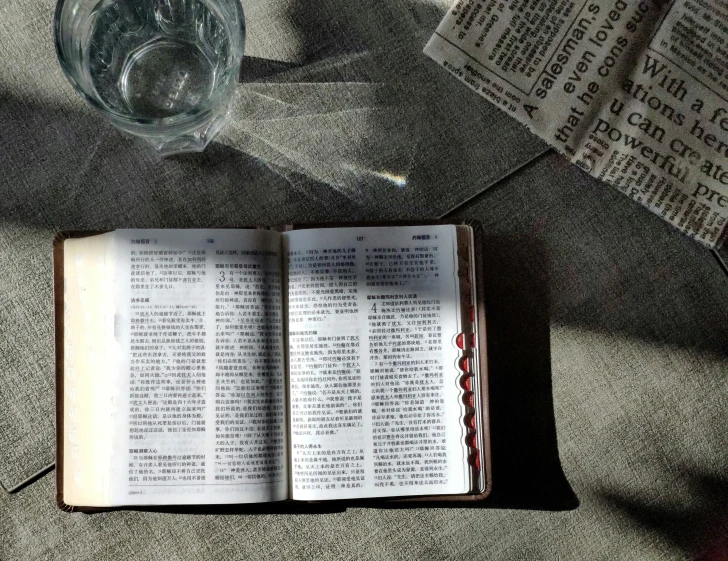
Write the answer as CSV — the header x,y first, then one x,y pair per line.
x,y
164,70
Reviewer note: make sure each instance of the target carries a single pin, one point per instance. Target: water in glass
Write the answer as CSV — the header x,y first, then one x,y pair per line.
x,y
154,59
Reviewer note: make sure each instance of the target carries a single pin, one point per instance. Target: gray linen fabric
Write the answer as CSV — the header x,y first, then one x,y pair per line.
x,y
609,339
339,115
608,351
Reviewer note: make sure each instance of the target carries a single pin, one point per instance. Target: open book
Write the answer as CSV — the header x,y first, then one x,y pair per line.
x,y
199,367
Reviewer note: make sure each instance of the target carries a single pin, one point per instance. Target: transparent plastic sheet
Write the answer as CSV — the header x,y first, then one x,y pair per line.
x,y
338,134
350,102
339,119
378,124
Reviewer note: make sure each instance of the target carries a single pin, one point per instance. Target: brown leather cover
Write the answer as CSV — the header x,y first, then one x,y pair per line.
x,y
292,506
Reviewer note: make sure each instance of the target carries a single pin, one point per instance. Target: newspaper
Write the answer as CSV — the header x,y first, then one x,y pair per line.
x,y
633,92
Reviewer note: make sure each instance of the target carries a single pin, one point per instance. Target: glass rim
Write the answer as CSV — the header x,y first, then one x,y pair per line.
x,y
181,120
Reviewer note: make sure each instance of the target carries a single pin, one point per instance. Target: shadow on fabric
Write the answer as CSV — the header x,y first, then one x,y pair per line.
x,y
699,526
527,472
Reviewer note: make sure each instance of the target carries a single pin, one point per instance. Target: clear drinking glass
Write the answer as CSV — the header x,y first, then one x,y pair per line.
x,y
164,70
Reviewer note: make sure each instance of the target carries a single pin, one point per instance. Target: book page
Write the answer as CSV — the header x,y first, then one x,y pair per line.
x,y
374,399
200,414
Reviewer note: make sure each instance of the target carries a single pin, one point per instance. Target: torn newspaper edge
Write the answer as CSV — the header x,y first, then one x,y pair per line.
x,y
633,92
